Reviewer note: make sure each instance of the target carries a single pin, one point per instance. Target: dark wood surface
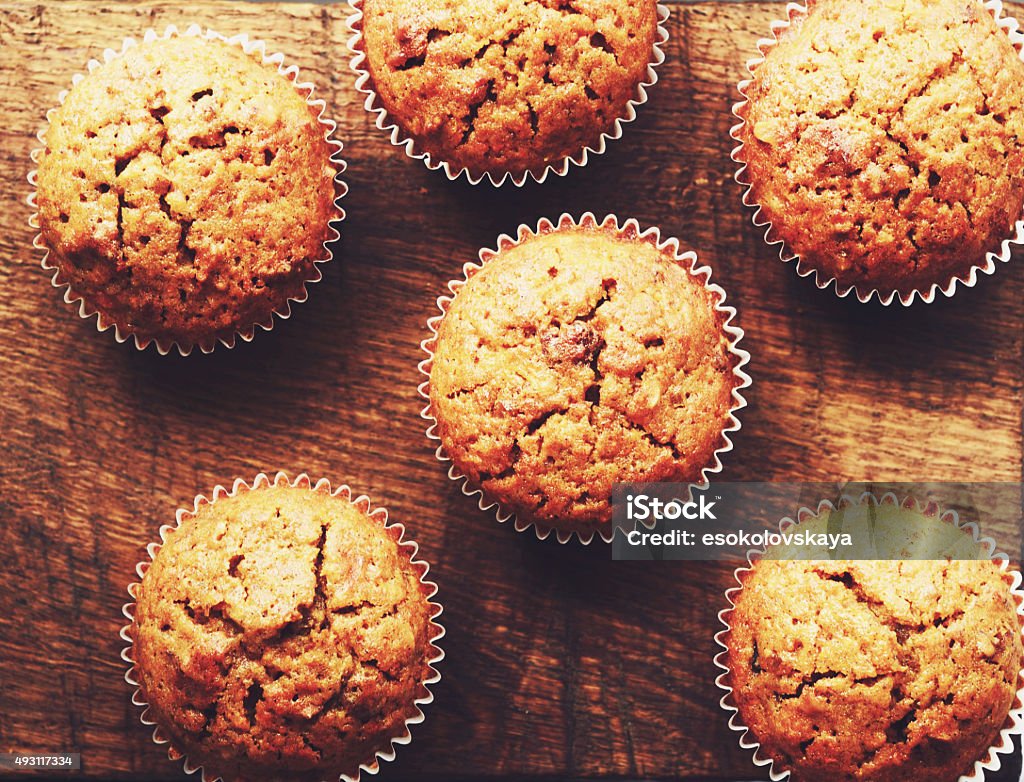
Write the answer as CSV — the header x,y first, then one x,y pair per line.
x,y
560,662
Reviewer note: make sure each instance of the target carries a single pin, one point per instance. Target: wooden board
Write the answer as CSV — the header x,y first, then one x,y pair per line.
x,y
560,662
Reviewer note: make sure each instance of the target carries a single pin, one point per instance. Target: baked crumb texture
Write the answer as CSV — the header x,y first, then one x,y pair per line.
x,y
185,193
874,670
506,86
283,633
884,142
576,358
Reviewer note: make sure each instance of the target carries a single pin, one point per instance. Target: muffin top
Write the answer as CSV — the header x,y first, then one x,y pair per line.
x,y
575,359
874,670
185,191
885,140
499,86
282,631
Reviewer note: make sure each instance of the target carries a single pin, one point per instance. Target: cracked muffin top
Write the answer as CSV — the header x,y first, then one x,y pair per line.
x,y
185,191
885,140
282,632
575,359
507,86
889,671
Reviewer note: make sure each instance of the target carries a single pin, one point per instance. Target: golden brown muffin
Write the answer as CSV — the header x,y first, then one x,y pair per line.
x,y
185,191
888,671
282,633
884,140
576,359
498,86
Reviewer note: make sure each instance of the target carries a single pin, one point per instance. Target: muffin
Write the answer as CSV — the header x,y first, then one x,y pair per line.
x,y
884,142
874,670
505,88
185,192
581,356
283,632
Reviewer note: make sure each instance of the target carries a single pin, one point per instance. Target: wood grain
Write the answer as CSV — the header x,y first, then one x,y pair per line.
x,y
560,662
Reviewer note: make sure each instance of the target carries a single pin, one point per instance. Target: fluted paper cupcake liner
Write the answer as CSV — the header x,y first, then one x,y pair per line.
x,y
290,72
1014,724
400,138
795,13
303,481
629,229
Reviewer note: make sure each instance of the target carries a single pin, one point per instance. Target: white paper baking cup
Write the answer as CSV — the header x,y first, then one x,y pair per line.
x,y
290,72
323,486
630,229
1014,725
795,13
400,138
